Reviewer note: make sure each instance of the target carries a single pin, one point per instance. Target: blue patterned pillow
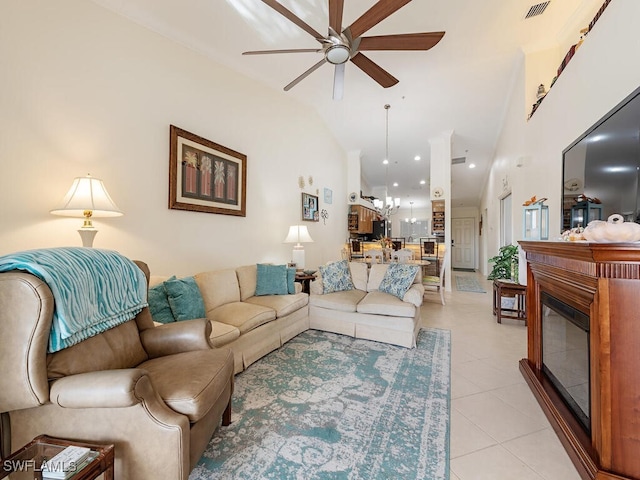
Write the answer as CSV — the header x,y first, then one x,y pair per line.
x,y
185,299
398,279
159,304
336,277
271,280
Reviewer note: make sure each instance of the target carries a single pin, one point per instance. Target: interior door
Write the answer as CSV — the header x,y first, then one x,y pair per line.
x,y
463,252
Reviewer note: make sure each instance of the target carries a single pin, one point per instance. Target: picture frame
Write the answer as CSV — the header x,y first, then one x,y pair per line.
x,y
310,212
328,196
205,176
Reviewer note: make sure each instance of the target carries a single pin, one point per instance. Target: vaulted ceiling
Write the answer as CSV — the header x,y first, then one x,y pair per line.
x,y
460,85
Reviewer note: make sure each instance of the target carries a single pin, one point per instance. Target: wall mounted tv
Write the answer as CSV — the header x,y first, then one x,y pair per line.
x,y
604,165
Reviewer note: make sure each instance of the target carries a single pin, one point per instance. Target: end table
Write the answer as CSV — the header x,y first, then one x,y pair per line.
x,y
304,279
26,463
509,288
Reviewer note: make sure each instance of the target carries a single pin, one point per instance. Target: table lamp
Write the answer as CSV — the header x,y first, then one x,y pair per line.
x,y
87,198
298,234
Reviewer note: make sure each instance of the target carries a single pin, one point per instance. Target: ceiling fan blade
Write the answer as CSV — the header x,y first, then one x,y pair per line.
x,y
335,14
375,15
338,82
406,41
374,70
295,50
292,17
305,75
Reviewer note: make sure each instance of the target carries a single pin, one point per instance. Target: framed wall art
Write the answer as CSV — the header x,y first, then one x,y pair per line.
x,y
204,176
310,211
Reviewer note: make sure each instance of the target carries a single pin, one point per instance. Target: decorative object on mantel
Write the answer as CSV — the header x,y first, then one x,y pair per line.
x,y
87,198
615,229
535,222
575,234
205,176
570,54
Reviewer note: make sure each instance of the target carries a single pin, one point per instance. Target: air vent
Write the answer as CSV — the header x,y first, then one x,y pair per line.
x,y
536,10
458,160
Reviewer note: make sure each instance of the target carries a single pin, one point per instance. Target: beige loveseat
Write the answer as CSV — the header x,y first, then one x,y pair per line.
x,y
251,326
364,311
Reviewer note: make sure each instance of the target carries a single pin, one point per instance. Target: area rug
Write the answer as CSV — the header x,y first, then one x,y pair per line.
x,y
327,406
466,283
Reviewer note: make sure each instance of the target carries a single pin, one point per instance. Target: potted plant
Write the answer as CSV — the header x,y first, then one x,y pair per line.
x,y
505,264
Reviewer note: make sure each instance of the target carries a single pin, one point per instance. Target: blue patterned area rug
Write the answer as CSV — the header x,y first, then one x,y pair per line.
x,y
327,406
466,283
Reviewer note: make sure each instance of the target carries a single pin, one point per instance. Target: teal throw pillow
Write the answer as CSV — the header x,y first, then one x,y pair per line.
x,y
159,304
291,280
336,277
185,298
271,280
398,279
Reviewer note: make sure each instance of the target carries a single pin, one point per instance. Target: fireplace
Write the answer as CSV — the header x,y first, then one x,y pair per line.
x,y
583,351
565,354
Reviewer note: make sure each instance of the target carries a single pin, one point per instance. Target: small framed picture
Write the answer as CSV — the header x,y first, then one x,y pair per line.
x,y
310,208
328,196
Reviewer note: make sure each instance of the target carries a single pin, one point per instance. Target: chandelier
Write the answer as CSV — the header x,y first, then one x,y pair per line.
x,y
412,219
391,205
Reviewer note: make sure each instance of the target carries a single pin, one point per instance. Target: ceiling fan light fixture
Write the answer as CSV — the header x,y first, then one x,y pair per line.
x,y
337,54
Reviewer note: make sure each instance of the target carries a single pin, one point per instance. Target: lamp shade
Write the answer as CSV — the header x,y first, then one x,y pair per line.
x,y
87,194
298,234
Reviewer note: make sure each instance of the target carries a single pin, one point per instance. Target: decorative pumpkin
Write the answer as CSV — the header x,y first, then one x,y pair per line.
x,y
615,229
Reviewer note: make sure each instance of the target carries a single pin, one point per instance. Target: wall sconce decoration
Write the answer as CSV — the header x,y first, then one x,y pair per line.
x,y
88,198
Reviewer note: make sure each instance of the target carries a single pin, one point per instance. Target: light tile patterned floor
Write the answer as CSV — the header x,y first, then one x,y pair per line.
x,y
498,431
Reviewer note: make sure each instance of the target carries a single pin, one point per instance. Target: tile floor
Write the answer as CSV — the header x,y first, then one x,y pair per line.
x,y
498,431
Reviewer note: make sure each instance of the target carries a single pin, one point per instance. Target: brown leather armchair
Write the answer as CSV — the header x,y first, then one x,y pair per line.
x,y
157,393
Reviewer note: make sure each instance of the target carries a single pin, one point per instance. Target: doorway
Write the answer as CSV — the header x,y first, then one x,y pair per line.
x,y
463,251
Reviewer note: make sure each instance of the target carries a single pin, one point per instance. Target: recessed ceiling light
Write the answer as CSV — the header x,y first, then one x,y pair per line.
x,y
422,182
385,162
395,184
416,158
472,165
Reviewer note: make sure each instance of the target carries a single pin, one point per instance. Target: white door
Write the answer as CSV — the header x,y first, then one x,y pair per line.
x,y
463,252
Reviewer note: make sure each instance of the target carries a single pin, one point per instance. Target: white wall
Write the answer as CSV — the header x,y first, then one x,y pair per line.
x,y
602,73
83,90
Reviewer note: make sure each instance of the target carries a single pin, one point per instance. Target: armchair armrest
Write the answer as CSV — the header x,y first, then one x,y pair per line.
x,y
178,337
103,389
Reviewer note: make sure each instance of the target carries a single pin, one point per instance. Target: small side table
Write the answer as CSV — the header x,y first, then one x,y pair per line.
x,y
304,279
25,464
509,289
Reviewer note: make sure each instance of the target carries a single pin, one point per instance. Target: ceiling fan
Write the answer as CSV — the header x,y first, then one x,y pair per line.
x,y
342,45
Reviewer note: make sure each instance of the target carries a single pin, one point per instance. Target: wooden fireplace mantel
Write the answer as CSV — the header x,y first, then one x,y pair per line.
x,y
601,280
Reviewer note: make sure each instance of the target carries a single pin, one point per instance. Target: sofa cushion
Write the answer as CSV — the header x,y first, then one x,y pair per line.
x,y
217,288
291,280
381,303
359,275
222,333
398,278
345,301
271,280
336,277
159,304
190,383
242,315
376,274
247,278
282,304
415,294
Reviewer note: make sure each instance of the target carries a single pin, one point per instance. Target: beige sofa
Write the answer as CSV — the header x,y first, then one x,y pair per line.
x,y
251,326
365,312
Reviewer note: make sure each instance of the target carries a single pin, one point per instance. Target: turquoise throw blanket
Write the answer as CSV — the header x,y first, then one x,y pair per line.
x,y
94,290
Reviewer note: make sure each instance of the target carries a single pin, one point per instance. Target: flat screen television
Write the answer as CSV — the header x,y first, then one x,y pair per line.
x,y
601,168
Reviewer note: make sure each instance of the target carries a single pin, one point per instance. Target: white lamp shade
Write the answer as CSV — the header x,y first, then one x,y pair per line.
x,y
87,194
298,234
